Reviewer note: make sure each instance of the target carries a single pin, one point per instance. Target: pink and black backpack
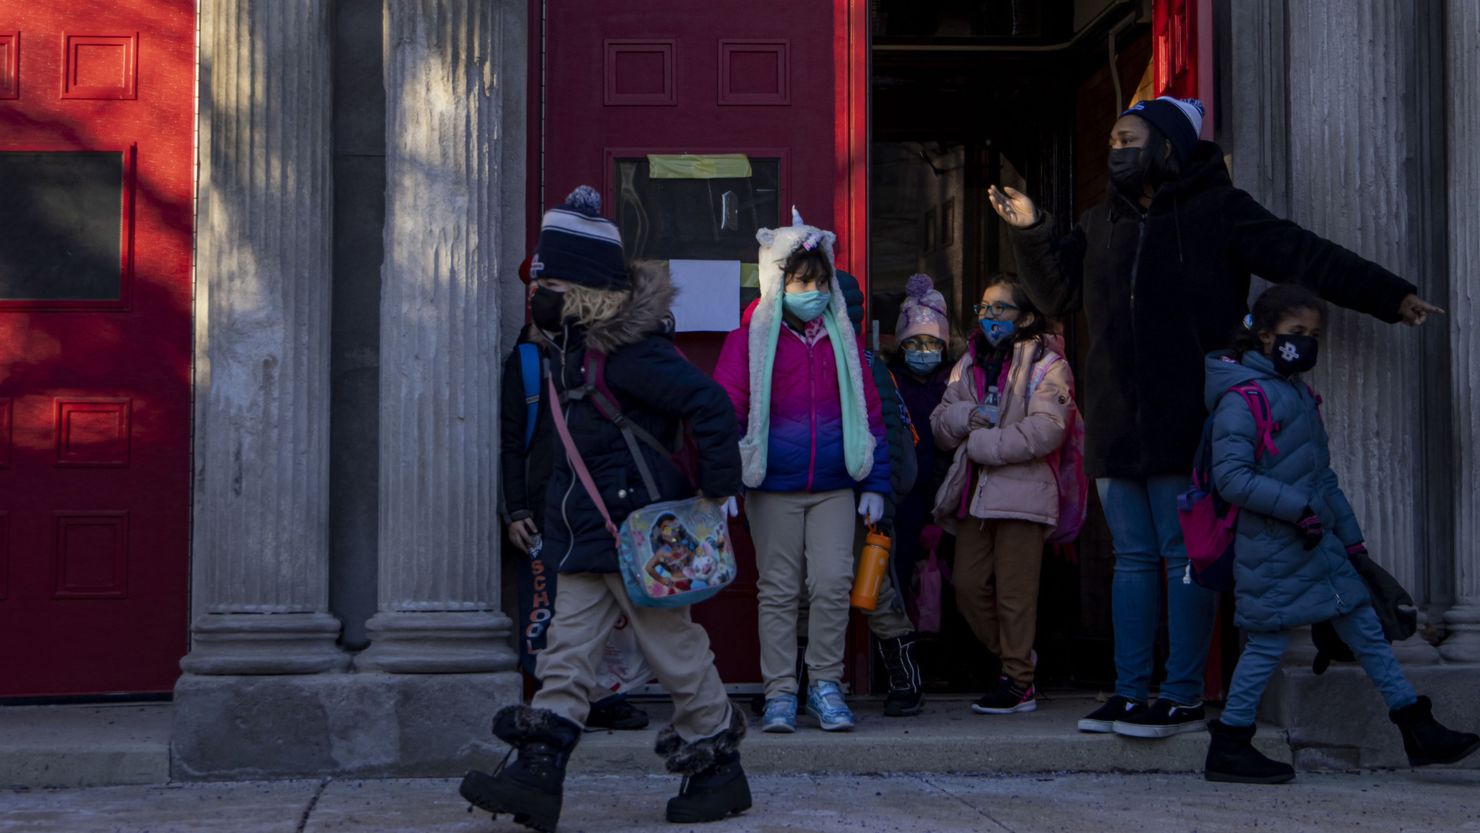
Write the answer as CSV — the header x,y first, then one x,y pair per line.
x,y
1209,523
1067,463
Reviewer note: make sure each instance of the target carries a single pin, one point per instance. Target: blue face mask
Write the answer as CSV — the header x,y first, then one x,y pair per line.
x,y
921,362
807,306
998,333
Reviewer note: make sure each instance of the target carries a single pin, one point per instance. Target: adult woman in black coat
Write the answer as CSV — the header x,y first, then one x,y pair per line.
x,y
1161,271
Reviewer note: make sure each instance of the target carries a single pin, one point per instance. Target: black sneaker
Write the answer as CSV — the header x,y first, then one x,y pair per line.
x,y
617,714
1103,719
1163,720
1007,698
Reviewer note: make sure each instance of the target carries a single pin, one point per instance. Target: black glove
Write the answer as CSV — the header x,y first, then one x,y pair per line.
x,y
1311,528
1329,647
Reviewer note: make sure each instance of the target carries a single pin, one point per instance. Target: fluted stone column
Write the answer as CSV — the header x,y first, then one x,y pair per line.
x,y
440,359
1463,76
260,554
1363,171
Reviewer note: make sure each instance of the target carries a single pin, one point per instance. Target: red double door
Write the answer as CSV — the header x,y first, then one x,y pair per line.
x,y
700,123
96,130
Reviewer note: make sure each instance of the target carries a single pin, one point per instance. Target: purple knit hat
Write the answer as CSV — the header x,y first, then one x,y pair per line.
x,y
923,311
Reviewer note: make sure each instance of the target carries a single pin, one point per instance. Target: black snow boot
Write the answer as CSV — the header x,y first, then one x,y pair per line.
x,y
906,697
714,784
1426,740
530,787
1232,757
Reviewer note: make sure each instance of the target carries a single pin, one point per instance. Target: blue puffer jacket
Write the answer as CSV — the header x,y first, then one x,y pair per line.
x,y
1279,584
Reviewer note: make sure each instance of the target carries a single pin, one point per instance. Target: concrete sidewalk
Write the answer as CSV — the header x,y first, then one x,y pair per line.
x,y
1414,802
83,746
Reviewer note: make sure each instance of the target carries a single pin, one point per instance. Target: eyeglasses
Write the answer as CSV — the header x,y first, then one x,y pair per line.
x,y
920,345
994,310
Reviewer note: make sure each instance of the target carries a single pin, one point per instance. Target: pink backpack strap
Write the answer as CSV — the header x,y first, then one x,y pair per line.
x,y
577,464
1264,424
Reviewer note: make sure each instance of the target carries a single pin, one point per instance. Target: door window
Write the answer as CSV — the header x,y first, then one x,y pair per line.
x,y
61,226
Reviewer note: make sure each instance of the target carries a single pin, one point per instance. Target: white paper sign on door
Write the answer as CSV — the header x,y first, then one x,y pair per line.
x,y
708,295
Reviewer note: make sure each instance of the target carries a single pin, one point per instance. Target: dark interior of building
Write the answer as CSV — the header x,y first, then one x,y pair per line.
x,y
967,94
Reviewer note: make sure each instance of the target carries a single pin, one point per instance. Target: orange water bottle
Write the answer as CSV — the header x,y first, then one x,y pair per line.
x,y
872,563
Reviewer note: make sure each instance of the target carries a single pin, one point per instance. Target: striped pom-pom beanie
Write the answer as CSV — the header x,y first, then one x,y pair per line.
x,y
578,245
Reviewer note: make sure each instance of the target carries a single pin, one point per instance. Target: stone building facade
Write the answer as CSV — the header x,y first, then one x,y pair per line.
x,y
364,191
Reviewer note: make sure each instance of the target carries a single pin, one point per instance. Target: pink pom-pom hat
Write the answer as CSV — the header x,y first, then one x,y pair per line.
x,y
923,311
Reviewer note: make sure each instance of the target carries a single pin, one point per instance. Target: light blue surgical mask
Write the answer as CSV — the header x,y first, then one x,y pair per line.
x,y
921,362
807,306
998,333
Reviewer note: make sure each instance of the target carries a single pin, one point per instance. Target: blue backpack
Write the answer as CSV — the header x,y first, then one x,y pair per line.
x,y
529,371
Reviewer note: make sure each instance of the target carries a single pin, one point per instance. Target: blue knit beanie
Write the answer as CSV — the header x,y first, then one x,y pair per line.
x,y
1179,119
578,245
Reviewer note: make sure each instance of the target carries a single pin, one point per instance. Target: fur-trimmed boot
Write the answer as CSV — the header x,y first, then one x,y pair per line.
x,y
906,696
1232,757
1426,740
714,785
531,786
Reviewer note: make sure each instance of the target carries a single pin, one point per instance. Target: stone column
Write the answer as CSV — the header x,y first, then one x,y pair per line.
x,y
260,552
439,342
1463,55
1365,172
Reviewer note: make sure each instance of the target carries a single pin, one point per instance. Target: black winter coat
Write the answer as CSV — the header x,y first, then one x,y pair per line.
x,y
1161,290
524,471
657,389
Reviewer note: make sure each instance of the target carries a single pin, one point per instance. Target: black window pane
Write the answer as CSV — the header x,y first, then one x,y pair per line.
x,y
696,219
61,218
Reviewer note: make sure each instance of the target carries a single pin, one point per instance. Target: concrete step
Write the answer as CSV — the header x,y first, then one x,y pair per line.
x,y
84,746
948,737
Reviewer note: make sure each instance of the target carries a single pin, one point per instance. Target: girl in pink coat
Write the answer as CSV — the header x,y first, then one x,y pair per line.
x,y
1005,410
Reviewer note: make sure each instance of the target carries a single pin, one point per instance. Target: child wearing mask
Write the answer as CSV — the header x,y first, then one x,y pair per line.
x,y
527,450
1295,532
814,448
921,368
590,299
1005,410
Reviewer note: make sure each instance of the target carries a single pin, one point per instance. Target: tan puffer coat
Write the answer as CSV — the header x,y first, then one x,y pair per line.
x,y
1014,481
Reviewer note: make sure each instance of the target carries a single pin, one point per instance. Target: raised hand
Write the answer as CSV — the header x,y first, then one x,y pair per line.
x,y
1013,206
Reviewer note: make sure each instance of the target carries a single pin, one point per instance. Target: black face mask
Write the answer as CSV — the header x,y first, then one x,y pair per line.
x,y
547,309
1128,171
1294,354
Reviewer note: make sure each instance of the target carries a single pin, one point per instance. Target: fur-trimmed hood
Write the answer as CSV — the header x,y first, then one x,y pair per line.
x,y
647,310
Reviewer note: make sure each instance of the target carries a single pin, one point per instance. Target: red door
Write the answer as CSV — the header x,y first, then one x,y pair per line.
x,y
96,131
699,125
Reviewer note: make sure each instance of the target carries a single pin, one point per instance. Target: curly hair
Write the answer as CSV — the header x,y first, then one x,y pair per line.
x,y
1273,306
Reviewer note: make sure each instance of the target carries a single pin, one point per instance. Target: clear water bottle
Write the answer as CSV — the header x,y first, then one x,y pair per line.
x,y
993,405
536,546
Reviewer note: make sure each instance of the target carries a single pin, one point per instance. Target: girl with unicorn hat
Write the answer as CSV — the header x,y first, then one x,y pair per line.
x,y
813,453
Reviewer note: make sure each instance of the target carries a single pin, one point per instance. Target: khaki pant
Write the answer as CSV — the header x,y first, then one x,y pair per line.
x,y
996,578
802,540
587,606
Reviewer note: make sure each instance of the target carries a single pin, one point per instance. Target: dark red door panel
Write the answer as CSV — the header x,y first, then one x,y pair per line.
x,y
780,82
96,178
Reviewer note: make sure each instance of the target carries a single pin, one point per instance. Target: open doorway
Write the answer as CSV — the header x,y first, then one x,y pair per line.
x,y
967,94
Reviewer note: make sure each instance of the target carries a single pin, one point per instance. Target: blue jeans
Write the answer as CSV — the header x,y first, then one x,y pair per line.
x,y
1359,629
1142,515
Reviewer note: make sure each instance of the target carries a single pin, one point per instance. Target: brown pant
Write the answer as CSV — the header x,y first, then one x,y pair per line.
x,y
587,606
996,577
803,543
